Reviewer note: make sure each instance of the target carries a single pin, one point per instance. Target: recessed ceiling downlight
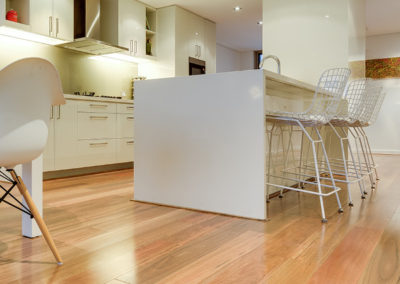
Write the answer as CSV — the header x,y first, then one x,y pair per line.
x,y
237,8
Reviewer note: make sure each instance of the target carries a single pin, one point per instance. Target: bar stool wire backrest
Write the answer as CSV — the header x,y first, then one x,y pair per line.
x,y
371,103
328,94
378,88
325,100
349,106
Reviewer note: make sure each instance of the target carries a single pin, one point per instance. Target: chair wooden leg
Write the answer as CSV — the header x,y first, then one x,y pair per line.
x,y
35,212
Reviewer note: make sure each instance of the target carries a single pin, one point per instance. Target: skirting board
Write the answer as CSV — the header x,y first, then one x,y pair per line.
x,y
86,171
386,152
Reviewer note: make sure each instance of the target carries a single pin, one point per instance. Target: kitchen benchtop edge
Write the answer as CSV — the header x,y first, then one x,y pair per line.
x,y
97,99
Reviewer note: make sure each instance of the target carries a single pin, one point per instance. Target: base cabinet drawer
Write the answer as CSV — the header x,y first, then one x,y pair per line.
x,y
96,152
102,107
125,150
125,124
125,108
96,125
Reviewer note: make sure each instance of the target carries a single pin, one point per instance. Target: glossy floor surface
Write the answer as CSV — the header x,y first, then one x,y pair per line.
x,y
104,237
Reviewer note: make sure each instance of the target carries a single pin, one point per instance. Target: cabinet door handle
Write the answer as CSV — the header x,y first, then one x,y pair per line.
x,y
52,112
97,105
129,118
131,46
129,142
98,117
199,51
98,144
50,25
57,26
135,47
59,112
129,107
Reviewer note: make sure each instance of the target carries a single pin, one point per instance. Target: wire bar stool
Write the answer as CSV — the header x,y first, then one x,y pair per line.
x,y
320,111
350,170
372,105
363,99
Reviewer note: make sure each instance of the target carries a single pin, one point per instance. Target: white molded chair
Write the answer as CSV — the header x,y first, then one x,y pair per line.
x,y
28,89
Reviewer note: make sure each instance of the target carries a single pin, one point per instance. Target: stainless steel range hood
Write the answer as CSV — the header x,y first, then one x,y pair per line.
x,y
87,30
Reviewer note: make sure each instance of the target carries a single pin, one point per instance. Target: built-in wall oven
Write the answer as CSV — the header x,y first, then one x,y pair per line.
x,y
196,66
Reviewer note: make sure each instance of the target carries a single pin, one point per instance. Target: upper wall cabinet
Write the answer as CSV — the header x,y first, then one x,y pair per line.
x,y
53,18
22,9
191,33
210,46
123,23
182,34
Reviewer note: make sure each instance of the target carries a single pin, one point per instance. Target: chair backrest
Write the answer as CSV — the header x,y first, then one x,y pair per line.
x,y
328,94
352,100
28,88
372,102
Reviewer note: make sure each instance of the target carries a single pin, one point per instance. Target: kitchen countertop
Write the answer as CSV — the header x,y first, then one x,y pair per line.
x,y
97,99
288,81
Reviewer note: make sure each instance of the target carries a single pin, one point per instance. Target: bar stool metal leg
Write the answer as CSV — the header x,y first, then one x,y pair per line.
x,y
369,152
366,158
329,168
346,172
270,134
358,159
357,170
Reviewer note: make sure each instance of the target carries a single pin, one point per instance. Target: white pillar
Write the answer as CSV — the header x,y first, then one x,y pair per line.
x,y
309,36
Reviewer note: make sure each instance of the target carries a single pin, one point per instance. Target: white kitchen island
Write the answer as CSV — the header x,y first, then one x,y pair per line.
x,y
200,140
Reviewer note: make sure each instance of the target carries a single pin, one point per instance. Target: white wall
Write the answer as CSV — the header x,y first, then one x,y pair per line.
x,y
384,135
383,46
229,59
247,60
302,37
357,29
78,71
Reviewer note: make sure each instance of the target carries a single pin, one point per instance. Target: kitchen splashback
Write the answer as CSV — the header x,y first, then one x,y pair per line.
x,y
78,71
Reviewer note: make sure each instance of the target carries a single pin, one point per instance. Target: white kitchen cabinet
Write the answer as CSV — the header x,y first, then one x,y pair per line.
x,y
132,26
210,47
60,152
100,107
190,33
86,133
125,150
48,154
125,108
125,126
21,7
124,24
53,18
96,125
198,35
63,13
96,152
182,34
65,136
41,13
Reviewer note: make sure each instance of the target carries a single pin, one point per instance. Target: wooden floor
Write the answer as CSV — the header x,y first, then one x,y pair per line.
x,y
106,238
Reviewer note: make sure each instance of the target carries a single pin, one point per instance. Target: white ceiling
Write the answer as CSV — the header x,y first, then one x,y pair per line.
x,y
383,16
235,30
